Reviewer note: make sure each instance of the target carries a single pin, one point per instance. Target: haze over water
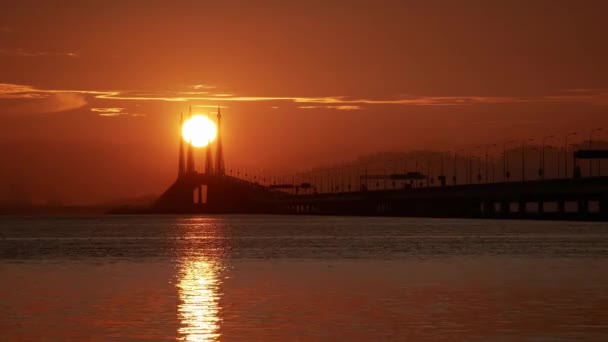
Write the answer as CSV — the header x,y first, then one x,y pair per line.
x,y
245,278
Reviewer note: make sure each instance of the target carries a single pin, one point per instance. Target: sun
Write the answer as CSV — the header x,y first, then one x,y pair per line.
x,y
199,131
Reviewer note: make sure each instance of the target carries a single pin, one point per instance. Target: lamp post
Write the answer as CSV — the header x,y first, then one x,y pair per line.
x,y
384,162
346,172
415,181
319,180
365,175
470,166
405,172
492,145
455,175
393,170
505,161
470,162
441,155
590,134
325,179
342,174
454,167
352,173
454,172
442,178
566,153
335,178
479,178
428,170
538,149
542,163
494,171
523,160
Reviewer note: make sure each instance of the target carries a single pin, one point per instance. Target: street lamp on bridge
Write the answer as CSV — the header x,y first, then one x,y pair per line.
x,y
455,173
590,160
486,146
479,177
505,162
471,164
541,170
441,178
523,159
566,153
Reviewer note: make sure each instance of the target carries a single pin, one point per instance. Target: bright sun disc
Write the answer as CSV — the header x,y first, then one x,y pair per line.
x,y
199,131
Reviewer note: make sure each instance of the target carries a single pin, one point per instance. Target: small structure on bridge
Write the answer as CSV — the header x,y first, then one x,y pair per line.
x,y
591,154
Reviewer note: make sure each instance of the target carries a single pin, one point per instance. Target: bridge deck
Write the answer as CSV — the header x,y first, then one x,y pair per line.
x,y
590,196
227,194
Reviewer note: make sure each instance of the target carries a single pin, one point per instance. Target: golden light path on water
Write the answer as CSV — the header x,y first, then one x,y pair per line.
x,y
198,308
198,283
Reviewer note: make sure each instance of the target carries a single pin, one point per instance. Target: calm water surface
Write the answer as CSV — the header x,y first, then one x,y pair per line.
x,y
261,278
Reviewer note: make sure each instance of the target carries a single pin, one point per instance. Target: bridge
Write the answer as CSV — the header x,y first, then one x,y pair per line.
x,y
207,193
581,199
214,191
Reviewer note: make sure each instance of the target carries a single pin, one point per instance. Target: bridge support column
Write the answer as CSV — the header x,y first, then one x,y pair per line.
x,y
488,208
603,207
541,207
505,209
200,195
522,207
583,207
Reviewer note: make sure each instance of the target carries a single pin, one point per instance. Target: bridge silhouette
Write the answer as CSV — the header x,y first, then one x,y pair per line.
x,y
213,191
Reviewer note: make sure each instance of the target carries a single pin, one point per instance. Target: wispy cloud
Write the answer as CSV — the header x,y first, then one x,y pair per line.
x,y
61,102
108,111
210,106
353,103
113,111
350,103
598,97
53,103
17,91
24,53
342,107
346,107
203,86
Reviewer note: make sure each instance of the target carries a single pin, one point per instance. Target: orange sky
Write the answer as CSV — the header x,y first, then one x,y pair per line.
x,y
90,94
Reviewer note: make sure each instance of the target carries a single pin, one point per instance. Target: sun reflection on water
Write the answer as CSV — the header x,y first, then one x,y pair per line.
x,y
199,296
